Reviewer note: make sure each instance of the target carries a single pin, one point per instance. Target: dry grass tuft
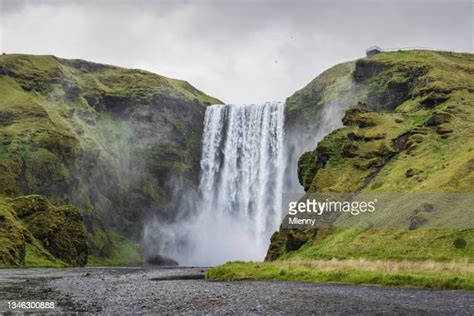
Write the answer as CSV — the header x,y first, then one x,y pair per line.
x,y
377,265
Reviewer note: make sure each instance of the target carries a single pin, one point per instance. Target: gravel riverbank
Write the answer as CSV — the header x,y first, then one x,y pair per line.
x,y
183,290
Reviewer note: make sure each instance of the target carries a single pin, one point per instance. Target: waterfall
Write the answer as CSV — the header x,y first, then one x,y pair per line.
x,y
242,166
246,163
238,205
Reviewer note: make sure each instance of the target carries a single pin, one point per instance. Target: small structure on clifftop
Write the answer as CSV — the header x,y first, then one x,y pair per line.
x,y
373,50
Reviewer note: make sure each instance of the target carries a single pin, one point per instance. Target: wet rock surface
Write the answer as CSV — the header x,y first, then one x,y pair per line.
x,y
170,291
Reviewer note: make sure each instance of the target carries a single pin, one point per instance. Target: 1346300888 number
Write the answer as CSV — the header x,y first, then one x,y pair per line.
x,y
30,305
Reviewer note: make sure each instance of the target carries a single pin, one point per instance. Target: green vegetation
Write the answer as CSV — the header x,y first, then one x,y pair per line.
x,y
106,139
453,276
12,237
335,85
388,244
409,127
36,233
37,256
125,252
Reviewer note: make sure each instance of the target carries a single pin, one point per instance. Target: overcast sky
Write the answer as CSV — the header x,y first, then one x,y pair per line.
x,y
238,51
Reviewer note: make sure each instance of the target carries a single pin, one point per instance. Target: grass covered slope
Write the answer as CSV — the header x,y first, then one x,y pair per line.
x,y
413,132
410,128
114,142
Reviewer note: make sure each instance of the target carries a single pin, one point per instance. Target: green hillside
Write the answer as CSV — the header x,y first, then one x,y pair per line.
x,y
408,134
113,142
410,129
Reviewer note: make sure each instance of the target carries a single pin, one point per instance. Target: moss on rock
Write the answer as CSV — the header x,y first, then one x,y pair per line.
x,y
410,129
12,237
34,232
114,142
62,233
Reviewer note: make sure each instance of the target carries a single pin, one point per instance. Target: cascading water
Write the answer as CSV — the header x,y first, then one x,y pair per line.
x,y
240,190
242,166
245,166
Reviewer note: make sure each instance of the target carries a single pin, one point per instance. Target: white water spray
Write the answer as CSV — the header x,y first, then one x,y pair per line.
x,y
242,165
245,166
240,189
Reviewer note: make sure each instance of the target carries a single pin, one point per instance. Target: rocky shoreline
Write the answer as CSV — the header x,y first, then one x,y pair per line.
x,y
145,290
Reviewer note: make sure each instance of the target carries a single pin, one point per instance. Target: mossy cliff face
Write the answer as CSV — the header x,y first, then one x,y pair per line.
x,y
34,232
410,129
115,142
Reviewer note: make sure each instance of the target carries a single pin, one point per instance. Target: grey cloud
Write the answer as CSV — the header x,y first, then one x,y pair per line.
x,y
239,51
